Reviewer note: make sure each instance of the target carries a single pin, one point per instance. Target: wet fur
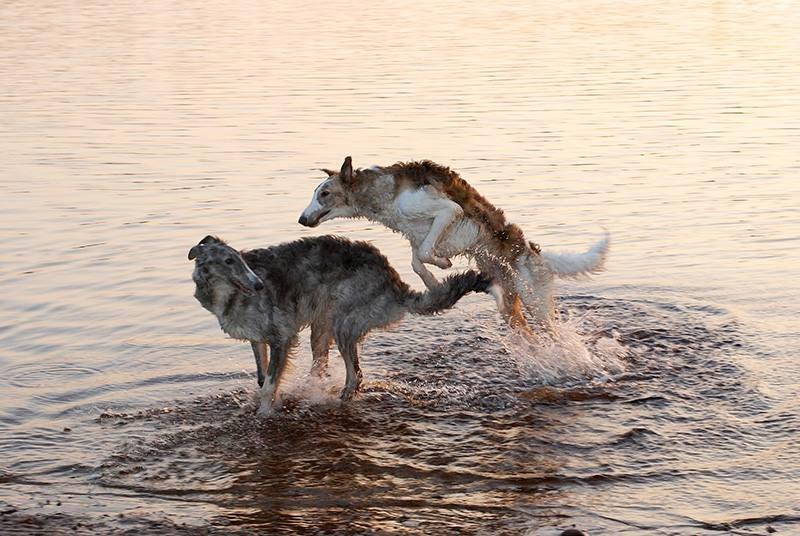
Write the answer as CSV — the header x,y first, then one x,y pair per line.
x,y
341,289
508,237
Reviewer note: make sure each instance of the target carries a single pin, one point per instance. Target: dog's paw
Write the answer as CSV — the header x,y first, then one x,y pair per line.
x,y
441,262
428,257
348,393
265,410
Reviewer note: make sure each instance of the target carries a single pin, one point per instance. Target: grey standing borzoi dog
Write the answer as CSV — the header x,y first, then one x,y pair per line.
x,y
342,289
443,216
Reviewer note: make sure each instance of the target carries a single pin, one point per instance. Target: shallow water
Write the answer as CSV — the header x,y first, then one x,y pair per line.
x,y
668,406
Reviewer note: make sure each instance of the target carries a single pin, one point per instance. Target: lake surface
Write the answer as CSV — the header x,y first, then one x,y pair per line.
x,y
669,405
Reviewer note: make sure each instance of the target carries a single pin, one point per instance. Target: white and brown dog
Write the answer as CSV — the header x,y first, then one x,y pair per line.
x,y
442,216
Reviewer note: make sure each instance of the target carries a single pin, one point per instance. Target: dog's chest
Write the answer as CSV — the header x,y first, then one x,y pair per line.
x,y
239,327
414,229
242,319
411,213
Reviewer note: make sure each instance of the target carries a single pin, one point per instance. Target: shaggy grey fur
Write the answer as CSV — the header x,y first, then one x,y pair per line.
x,y
342,289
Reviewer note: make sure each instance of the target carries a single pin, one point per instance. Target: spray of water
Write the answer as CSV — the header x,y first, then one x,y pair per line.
x,y
565,356
572,352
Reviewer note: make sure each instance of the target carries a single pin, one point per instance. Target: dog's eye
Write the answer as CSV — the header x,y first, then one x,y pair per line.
x,y
229,261
326,193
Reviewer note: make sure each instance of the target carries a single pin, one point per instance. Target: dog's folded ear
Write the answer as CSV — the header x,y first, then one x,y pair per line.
x,y
346,174
196,249
328,172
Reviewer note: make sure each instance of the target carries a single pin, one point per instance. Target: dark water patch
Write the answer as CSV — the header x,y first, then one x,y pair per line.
x,y
638,436
553,395
654,400
747,526
8,477
24,520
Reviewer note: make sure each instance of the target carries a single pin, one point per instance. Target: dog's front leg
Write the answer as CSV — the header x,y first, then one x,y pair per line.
x,y
348,347
418,207
279,355
427,277
448,212
262,359
321,339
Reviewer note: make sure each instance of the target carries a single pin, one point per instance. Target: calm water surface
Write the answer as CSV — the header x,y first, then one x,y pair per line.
x,y
129,130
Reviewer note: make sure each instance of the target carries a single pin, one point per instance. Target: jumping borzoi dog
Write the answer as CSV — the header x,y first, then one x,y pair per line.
x,y
342,289
442,216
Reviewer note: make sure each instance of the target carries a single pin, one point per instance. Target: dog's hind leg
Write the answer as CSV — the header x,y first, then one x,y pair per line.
x,y
348,347
321,340
446,215
279,356
510,308
534,285
419,268
423,204
262,359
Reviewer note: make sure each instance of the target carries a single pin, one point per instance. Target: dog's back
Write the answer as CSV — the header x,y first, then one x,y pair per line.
x,y
329,275
314,272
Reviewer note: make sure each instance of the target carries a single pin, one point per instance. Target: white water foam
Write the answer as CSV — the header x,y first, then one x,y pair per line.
x,y
567,356
299,385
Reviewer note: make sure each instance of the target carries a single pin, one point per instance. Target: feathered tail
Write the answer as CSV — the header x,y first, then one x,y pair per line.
x,y
446,294
579,264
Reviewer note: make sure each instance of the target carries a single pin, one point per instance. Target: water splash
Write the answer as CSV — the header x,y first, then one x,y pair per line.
x,y
568,355
311,390
571,353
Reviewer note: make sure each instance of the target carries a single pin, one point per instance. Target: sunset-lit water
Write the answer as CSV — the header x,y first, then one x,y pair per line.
x,y
130,130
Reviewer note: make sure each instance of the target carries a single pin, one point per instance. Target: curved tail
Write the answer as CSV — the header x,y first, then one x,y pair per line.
x,y
579,264
446,294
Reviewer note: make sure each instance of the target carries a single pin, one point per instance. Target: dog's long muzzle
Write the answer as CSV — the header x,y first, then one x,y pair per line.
x,y
313,219
249,284
255,282
310,222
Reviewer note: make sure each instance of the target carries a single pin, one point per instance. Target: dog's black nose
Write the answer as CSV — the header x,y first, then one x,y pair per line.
x,y
259,285
303,220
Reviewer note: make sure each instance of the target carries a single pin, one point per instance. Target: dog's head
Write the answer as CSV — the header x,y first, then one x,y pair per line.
x,y
216,262
330,198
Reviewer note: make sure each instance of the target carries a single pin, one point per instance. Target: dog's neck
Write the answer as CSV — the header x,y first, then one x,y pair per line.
x,y
369,207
